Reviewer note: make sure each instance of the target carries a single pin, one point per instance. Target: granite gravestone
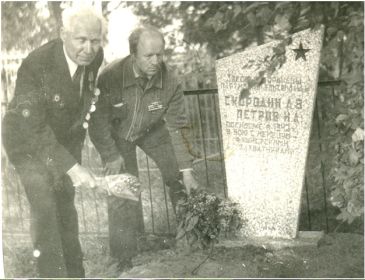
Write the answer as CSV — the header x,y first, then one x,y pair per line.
x,y
266,128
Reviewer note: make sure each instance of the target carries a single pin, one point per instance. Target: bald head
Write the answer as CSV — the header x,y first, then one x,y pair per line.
x,y
146,31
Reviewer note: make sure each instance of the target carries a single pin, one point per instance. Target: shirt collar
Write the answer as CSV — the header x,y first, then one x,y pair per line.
x,y
72,66
136,74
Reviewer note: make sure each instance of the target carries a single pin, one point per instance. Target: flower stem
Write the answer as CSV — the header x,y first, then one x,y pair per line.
x,y
195,270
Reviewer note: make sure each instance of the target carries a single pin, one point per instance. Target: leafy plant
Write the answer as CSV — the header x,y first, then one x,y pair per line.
x,y
205,218
343,133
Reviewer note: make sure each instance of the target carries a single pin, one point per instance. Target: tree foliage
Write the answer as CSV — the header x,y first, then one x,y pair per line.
x,y
223,28
42,24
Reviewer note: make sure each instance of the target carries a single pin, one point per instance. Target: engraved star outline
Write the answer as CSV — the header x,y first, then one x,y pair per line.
x,y
300,52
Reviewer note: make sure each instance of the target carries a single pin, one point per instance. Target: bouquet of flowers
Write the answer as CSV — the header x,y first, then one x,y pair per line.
x,y
121,185
204,218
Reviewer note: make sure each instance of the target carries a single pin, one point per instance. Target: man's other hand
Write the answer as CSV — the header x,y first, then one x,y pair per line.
x,y
81,177
189,180
114,167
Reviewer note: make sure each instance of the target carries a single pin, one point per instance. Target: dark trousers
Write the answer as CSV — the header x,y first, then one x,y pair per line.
x,y
54,222
125,216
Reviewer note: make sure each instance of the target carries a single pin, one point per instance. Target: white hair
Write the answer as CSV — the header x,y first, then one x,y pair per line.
x,y
69,14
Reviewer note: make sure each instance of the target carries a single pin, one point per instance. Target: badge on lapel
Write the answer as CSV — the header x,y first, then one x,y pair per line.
x,y
92,107
154,106
118,105
26,113
56,98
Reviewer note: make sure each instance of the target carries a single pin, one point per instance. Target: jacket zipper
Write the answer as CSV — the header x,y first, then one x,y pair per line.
x,y
134,115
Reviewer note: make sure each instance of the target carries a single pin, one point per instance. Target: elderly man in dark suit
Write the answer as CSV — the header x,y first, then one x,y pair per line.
x,y
43,133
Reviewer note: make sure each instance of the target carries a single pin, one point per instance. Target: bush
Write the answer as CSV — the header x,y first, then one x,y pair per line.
x,y
205,218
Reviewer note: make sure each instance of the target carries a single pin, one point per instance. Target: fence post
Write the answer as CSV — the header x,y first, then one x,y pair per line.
x,y
308,207
150,189
220,142
167,208
322,166
203,141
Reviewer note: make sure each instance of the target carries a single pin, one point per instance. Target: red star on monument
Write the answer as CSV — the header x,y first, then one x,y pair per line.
x,y
301,52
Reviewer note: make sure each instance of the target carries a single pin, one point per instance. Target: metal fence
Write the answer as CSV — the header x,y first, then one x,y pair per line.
x,y
203,111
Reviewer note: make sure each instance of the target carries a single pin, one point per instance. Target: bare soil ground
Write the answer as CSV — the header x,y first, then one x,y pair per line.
x,y
339,255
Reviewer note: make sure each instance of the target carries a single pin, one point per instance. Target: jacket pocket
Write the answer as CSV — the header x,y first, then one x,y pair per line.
x,y
119,112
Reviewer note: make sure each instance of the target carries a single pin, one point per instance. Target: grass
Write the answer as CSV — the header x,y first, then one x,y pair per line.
x,y
20,263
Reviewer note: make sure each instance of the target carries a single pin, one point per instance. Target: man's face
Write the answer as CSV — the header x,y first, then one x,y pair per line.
x,y
83,41
149,54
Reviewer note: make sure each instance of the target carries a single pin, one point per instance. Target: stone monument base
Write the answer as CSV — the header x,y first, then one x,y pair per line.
x,y
304,239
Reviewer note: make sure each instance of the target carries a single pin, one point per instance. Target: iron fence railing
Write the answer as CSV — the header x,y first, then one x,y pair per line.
x,y
206,146
203,111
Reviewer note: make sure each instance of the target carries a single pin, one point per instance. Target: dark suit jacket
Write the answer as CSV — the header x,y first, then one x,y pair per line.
x,y
44,119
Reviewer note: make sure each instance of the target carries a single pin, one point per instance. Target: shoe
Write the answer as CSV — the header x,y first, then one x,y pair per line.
x,y
124,265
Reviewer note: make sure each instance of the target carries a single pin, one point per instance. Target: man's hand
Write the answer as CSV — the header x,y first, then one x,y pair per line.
x,y
189,180
80,176
114,167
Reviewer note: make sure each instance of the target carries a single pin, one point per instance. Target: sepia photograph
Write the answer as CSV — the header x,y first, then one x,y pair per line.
x,y
182,139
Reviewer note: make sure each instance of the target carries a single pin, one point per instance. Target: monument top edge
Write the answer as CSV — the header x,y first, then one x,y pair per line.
x,y
254,49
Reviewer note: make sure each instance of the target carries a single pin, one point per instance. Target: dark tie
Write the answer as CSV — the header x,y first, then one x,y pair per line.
x,y
76,79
